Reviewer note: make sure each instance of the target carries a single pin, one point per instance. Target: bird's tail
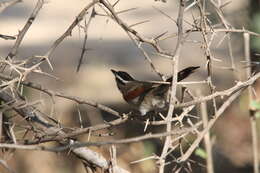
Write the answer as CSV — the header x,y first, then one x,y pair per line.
x,y
184,73
163,88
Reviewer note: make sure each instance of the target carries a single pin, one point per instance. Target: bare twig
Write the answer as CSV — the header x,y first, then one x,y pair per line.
x,y
175,62
26,27
7,37
211,122
6,166
228,92
73,98
139,39
67,33
31,114
209,57
251,113
45,129
207,141
84,48
101,143
1,125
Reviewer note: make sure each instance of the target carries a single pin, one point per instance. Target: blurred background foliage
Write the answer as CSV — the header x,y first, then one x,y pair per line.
x,y
109,47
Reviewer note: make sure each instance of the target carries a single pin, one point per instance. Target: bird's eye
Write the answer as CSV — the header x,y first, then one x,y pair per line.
x,y
125,75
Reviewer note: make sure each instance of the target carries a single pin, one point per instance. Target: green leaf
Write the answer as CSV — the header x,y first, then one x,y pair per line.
x,y
149,148
257,114
201,153
255,105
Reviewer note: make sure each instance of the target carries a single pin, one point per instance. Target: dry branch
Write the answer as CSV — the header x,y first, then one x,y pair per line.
x,y
49,130
31,114
175,62
25,29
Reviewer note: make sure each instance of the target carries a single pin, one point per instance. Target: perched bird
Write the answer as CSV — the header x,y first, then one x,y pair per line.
x,y
146,96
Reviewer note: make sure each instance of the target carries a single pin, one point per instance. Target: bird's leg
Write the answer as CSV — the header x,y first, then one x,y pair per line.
x,y
183,89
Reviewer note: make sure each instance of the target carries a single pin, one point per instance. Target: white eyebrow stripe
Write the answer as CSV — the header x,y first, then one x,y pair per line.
x,y
121,79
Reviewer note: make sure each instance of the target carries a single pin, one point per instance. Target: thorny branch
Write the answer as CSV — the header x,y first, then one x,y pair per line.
x,y
31,114
84,48
68,32
175,62
26,27
111,142
47,129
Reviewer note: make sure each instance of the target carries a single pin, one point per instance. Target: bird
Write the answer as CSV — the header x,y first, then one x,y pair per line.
x,y
143,95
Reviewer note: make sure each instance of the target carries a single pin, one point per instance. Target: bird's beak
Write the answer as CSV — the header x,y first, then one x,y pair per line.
x,y
195,68
113,71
